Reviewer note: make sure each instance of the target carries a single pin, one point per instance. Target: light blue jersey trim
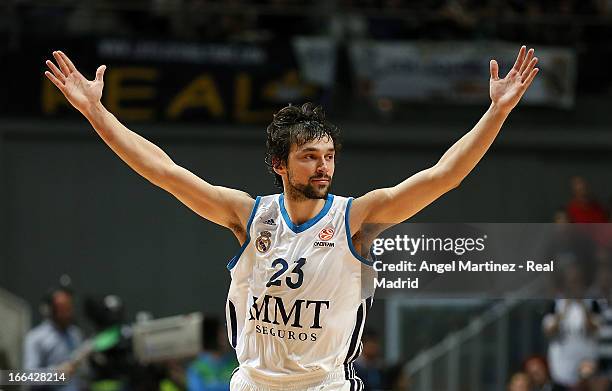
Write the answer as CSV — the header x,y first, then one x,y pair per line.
x,y
349,239
234,260
304,226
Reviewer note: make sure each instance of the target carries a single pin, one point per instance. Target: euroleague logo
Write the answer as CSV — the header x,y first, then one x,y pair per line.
x,y
325,235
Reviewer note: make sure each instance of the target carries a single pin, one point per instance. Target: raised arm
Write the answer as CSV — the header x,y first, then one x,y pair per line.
x,y
227,207
395,204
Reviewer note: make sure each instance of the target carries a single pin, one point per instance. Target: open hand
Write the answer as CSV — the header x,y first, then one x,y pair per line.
x,y
80,92
507,92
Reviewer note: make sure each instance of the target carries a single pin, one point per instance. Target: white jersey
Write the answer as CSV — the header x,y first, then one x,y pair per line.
x,y
297,302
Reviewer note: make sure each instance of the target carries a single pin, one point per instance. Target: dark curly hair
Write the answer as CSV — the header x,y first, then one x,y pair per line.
x,y
296,125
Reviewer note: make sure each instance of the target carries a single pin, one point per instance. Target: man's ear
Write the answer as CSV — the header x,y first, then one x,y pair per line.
x,y
279,166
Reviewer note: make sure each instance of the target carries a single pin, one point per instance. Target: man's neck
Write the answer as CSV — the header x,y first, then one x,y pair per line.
x,y
302,210
59,327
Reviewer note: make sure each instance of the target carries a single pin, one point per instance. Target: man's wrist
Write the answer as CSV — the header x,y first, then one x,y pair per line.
x,y
94,111
496,109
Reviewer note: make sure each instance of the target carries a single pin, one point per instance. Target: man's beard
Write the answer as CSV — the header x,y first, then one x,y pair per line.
x,y
297,191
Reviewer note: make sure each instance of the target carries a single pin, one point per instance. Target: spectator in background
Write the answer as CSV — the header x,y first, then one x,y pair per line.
x,y
519,382
590,380
51,344
583,208
601,289
539,376
212,369
570,243
369,366
571,327
602,292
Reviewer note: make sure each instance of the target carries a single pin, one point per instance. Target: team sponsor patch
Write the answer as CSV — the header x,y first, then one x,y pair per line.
x,y
263,241
323,244
326,234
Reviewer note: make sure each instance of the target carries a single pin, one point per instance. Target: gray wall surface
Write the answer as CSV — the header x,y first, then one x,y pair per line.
x,y
71,206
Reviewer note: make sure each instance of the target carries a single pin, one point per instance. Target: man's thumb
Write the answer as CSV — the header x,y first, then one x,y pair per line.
x,y
100,73
494,70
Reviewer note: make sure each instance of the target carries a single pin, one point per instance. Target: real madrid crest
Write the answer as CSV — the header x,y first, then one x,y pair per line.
x,y
263,241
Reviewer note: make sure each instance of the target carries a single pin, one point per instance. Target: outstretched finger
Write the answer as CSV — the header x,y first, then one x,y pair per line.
x,y
530,78
68,62
100,73
527,72
519,58
55,81
62,64
494,67
56,72
527,61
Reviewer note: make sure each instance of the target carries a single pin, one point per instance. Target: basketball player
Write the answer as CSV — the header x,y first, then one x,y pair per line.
x,y
296,307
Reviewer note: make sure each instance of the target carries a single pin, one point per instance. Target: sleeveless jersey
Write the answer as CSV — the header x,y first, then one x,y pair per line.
x,y
299,294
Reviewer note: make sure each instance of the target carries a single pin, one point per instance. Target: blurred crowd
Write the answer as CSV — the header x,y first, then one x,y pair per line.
x,y
105,359
582,25
534,21
537,21
578,324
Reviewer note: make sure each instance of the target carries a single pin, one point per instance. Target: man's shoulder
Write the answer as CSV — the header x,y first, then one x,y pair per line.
x,y
44,328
